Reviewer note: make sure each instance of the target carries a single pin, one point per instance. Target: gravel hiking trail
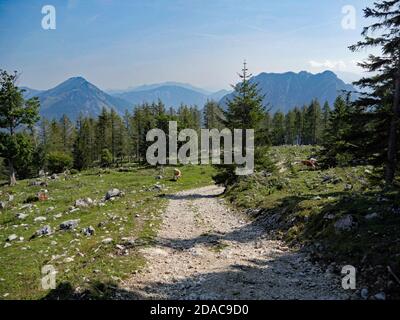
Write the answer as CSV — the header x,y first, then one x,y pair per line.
x,y
205,251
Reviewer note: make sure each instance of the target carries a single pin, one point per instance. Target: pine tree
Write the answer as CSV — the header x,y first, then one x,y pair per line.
x,y
326,110
382,100
67,134
245,111
278,129
84,149
15,112
290,127
213,115
299,126
313,123
335,142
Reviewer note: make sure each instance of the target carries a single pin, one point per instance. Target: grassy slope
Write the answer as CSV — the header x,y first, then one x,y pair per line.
x,y
303,202
136,216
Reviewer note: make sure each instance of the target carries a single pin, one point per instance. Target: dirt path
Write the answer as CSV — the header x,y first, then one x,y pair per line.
x,y
205,251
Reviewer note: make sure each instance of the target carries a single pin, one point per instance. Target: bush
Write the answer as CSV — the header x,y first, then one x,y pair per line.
x,y
58,162
106,158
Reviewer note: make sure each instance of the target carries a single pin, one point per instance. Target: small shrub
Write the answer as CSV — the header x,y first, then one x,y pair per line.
x,y
58,162
106,158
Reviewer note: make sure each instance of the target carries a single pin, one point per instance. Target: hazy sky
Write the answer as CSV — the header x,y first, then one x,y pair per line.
x,y
120,43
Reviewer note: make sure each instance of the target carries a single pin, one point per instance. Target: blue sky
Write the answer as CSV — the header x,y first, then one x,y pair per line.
x,y
119,43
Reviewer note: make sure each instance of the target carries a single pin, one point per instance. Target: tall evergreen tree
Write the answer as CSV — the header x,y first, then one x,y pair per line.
x,y
335,142
213,115
245,111
278,129
382,99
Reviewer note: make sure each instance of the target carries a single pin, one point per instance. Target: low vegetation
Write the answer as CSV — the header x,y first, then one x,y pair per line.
x,y
121,226
339,214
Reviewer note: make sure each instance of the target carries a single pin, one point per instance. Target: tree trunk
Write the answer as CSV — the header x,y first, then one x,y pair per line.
x,y
393,135
13,180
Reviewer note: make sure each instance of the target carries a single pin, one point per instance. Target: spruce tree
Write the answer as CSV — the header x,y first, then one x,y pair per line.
x,y
213,115
245,111
382,97
335,142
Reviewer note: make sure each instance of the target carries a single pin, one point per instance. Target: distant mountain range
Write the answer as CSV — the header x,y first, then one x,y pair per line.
x,y
285,91
172,95
282,92
73,97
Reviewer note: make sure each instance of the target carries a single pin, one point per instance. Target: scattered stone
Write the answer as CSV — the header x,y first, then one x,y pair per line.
x,y
38,184
83,203
50,209
128,242
69,225
159,177
7,245
345,223
10,197
364,293
40,219
113,193
348,187
44,231
12,237
253,212
329,216
68,259
380,296
157,187
372,216
54,176
107,241
42,173
3,205
89,231
21,216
